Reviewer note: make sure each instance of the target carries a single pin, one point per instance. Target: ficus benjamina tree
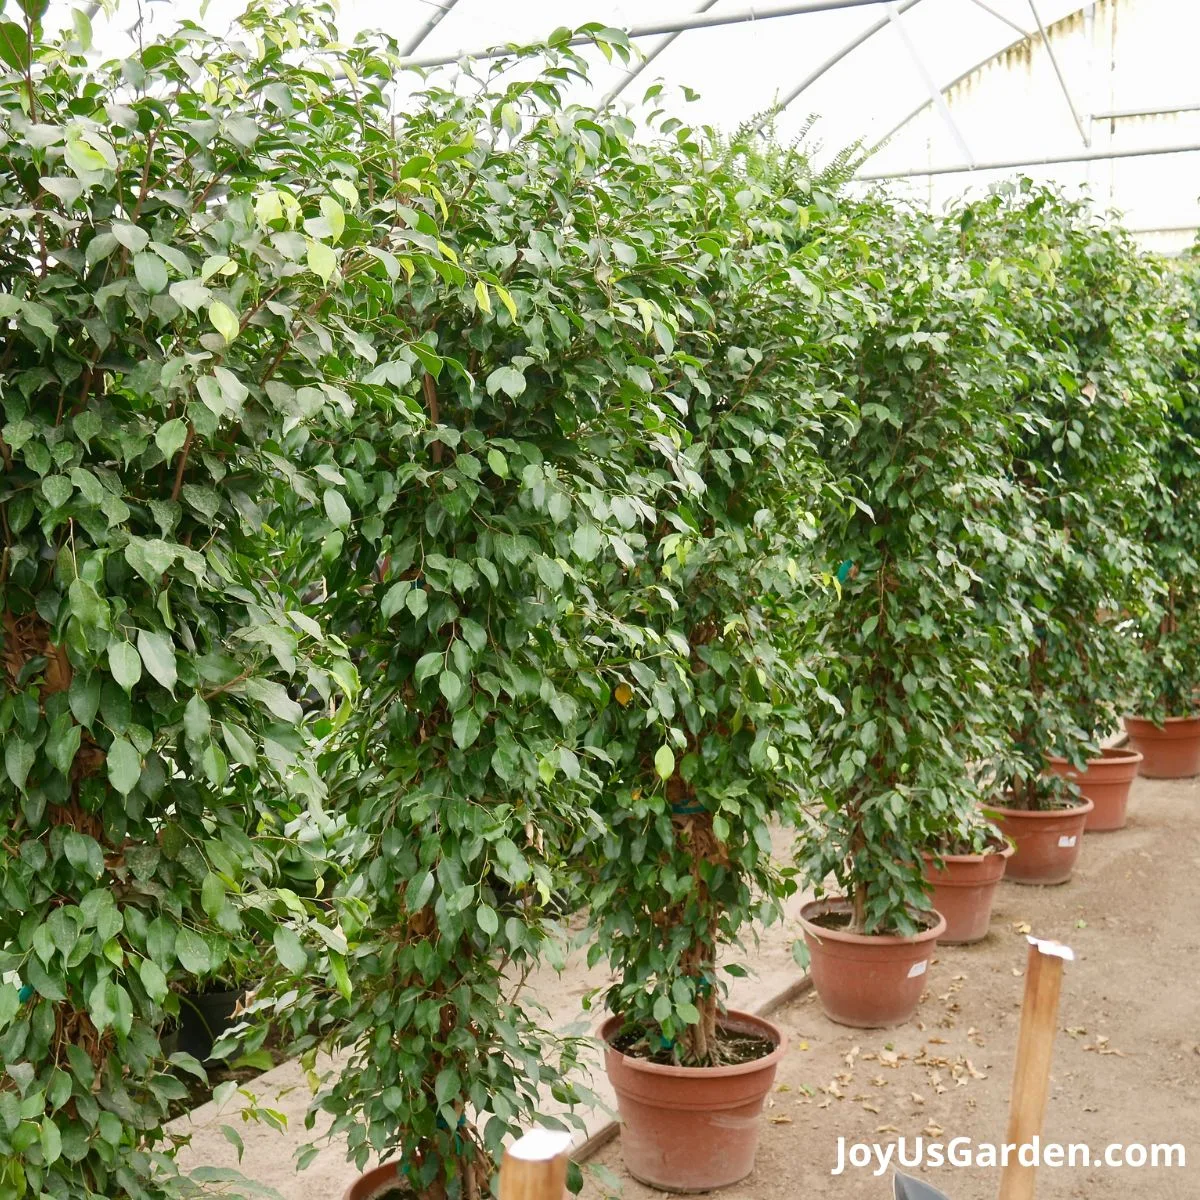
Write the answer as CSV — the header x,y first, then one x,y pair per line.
x,y
166,308
1094,332
510,439
708,742
908,682
1167,670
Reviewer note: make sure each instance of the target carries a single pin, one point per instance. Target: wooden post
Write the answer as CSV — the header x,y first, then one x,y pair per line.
x,y
1035,1048
534,1167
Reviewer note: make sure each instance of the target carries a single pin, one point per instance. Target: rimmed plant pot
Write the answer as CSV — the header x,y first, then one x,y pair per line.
x,y
1047,843
1172,752
868,981
964,889
1106,782
374,1182
691,1129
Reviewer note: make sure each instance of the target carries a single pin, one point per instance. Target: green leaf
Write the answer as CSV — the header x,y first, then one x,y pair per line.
x,y
124,766
451,686
190,294
212,894
341,977
489,922
322,261
506,379
193,952
292,955
57,489
133,237
83,28
159,657
51,1141
151,273
506,299
14,46
153,980
336,508
664,762
18,760
466,728
224,320
124,664
481,296
170,437
274,696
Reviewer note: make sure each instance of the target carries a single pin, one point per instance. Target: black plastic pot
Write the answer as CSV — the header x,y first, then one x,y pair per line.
x,y
204,1018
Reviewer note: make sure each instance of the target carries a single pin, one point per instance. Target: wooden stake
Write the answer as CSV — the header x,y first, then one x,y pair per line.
x,y
1035,1048
534,1167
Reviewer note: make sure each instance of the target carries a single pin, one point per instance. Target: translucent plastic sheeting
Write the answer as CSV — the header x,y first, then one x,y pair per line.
x,y
871,72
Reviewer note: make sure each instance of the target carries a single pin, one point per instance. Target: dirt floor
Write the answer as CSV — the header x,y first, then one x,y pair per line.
x,y
1127,1059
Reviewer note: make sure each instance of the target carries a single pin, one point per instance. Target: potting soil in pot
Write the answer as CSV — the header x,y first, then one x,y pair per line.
x,y
733,1046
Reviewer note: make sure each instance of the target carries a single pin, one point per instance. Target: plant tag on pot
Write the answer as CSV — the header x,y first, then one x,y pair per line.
x,y
917,969
1067,841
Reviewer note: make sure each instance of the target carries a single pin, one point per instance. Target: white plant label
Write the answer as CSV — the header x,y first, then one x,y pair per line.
x,y
917,969
1066,841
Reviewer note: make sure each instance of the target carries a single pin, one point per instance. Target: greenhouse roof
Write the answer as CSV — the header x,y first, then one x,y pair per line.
x,y
1099,94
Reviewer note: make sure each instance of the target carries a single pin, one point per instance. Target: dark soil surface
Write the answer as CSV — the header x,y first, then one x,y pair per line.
x,y
1127,1058
734,1046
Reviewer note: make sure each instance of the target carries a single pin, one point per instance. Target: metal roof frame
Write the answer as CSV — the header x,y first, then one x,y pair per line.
x,y
946,87
1016,163
704,20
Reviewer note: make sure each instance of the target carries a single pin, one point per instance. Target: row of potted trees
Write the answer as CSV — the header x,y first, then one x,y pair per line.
x,y
420,526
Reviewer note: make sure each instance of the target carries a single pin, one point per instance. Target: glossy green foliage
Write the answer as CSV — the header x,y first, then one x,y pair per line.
x,y
909,679
510,437
1168,668
708,745
1094,334
162,321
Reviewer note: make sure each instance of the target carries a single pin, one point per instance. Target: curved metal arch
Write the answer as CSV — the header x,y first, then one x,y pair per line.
x,y
440,12
832,61
976,66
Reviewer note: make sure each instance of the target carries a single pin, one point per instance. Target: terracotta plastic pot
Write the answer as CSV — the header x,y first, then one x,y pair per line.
x,y
1172,752
1106,783
376,1181
691,1129
1047,843
866,980
964,887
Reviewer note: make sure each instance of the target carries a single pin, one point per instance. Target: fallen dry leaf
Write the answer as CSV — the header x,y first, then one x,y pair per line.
x,y
780,1119
886,1129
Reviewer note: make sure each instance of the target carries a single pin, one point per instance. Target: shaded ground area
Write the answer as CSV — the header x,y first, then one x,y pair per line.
x,y
1127,1060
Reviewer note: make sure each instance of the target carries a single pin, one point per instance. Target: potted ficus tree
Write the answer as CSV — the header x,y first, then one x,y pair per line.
x,y
963,870
1167,730
1093,334
151,354
909,685
497,477
704,726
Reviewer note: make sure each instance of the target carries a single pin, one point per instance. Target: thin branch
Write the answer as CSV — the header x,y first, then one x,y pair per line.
x,y
182,465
